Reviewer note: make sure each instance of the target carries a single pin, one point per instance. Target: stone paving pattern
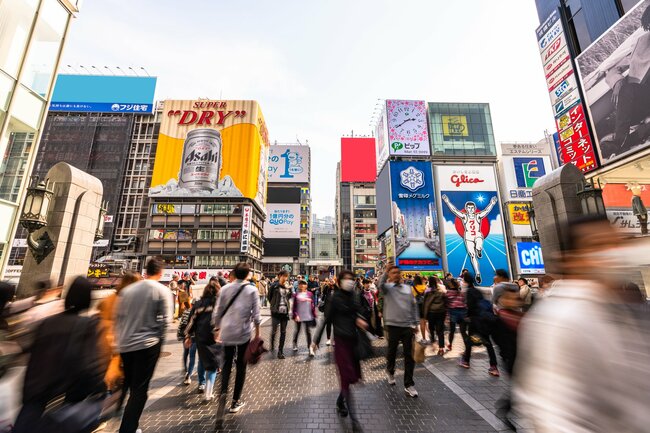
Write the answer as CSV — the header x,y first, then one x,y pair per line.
x,y
298,394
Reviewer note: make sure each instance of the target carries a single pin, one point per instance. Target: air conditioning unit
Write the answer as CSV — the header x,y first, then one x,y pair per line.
x,y
362,242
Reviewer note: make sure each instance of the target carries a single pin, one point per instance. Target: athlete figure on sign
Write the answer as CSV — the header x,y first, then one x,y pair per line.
x,y
471,220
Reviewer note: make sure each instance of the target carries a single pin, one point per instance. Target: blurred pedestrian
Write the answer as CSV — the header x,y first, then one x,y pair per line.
x,y
457,312
481,319
173,287
434,311
200,327
280,302
69,340
401,322
184,293
328,291
263,289
237,314
567,378
525,293
370,311
343,312
144,310
189,354
303,314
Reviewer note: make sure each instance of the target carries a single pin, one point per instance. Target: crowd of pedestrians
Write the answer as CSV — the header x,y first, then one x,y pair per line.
x,y
549,339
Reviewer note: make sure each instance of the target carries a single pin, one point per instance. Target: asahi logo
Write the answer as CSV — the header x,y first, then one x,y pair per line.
x,y
195,156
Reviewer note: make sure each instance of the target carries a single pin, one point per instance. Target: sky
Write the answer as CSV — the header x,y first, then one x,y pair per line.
x,y
319,67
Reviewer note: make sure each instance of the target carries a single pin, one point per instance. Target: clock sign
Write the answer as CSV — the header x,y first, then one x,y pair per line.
x,y
407,128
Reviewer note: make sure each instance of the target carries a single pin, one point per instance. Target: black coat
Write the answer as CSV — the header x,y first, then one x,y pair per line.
x,y
274,299
342,312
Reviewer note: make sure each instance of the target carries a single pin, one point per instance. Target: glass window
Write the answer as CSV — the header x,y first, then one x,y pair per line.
x,y
629,4
581,30
27,107
44,47
6,86
16,147
16,17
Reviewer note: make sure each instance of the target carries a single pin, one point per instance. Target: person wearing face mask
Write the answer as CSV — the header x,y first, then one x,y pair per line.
x,y
586,385
369,305
401,321
345,314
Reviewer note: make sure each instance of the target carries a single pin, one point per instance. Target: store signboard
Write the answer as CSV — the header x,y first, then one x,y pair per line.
x,y
211,149
624,220
519,220
575,140
289,164
521,173
408,129
615,78
282,221
415,218
246,225
531,259
473,227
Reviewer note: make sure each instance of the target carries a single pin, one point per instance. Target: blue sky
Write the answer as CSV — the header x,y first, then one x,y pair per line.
x,y
318,67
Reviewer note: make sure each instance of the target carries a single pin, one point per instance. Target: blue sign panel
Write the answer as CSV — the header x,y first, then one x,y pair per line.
x,y
415,219
103,94
531,260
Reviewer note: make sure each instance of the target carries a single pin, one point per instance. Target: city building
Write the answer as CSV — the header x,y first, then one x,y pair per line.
x,y
325,261
356,213
86,130
287,226
31,43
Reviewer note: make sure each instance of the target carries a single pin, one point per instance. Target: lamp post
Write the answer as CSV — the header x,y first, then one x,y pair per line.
x,y
532,220
591,198
99,232
34,217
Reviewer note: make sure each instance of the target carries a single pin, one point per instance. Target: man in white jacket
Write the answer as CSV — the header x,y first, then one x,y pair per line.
x,y
582,354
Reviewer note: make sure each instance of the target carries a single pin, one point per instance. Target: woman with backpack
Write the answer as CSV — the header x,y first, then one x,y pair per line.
x,y
434,311
189,354
200,325
481,322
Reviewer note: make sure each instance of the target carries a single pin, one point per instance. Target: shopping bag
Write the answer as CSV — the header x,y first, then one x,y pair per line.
x,y
418,352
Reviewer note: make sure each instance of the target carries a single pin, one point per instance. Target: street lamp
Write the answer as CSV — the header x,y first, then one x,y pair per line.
x,y
532,220
99,232
591,198
34,217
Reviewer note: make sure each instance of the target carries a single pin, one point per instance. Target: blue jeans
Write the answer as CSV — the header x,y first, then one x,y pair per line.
x,y
189,368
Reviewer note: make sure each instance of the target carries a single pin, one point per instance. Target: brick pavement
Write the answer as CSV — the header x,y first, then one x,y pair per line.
x,y
298,394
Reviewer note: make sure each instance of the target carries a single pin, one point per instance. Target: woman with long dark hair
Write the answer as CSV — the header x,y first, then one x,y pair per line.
x,y
71,340
200,326
343,312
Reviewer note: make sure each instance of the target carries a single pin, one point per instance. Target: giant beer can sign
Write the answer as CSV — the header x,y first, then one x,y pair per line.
x,y
201,160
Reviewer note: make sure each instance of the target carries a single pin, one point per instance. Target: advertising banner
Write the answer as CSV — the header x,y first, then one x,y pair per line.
x,y
521,173
408,131
383,200
211,149
616,79
624,220
415,219
289,164
473,226
531,260
246,224
381,138
358,162
525,149
103,94
575,140
519,220
282,221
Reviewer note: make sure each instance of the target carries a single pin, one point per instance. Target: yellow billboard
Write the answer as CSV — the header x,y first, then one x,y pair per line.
x,y
519,213
211,148
455,126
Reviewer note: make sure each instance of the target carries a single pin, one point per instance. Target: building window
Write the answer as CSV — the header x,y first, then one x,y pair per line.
x,y
16,17
18,148
364,199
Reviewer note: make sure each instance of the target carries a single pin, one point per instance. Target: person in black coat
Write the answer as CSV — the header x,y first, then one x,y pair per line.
x,y
65,360
280,302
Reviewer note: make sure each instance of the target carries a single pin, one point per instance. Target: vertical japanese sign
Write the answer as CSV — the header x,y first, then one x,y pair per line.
x,y
474,235
246,223
415,219
575,141
408,131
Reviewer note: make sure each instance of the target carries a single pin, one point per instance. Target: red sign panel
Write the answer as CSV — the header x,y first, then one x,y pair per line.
x,y
576,144
358,160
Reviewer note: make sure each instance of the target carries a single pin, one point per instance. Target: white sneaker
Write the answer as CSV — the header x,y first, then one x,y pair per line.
x,y
329,342
187,380
411,391
391,379
311,352
295,348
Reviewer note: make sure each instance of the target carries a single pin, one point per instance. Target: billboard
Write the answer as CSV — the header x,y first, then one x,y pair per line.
x,y
531,260
211,149
289,164
473,227
103,94
519,220
576,144
382,139
383,200
521,173
408,131
282,221
615,75
461,129
415,218
358,163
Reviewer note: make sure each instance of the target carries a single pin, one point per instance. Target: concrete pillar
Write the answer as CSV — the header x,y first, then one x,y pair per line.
x,y
555,202
72,222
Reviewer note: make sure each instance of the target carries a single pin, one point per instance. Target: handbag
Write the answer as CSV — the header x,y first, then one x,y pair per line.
x,y
363,348
72,417
418,352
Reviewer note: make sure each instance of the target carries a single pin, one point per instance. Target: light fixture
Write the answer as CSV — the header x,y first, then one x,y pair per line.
x,y
34,217
99,232
591,198
532,220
